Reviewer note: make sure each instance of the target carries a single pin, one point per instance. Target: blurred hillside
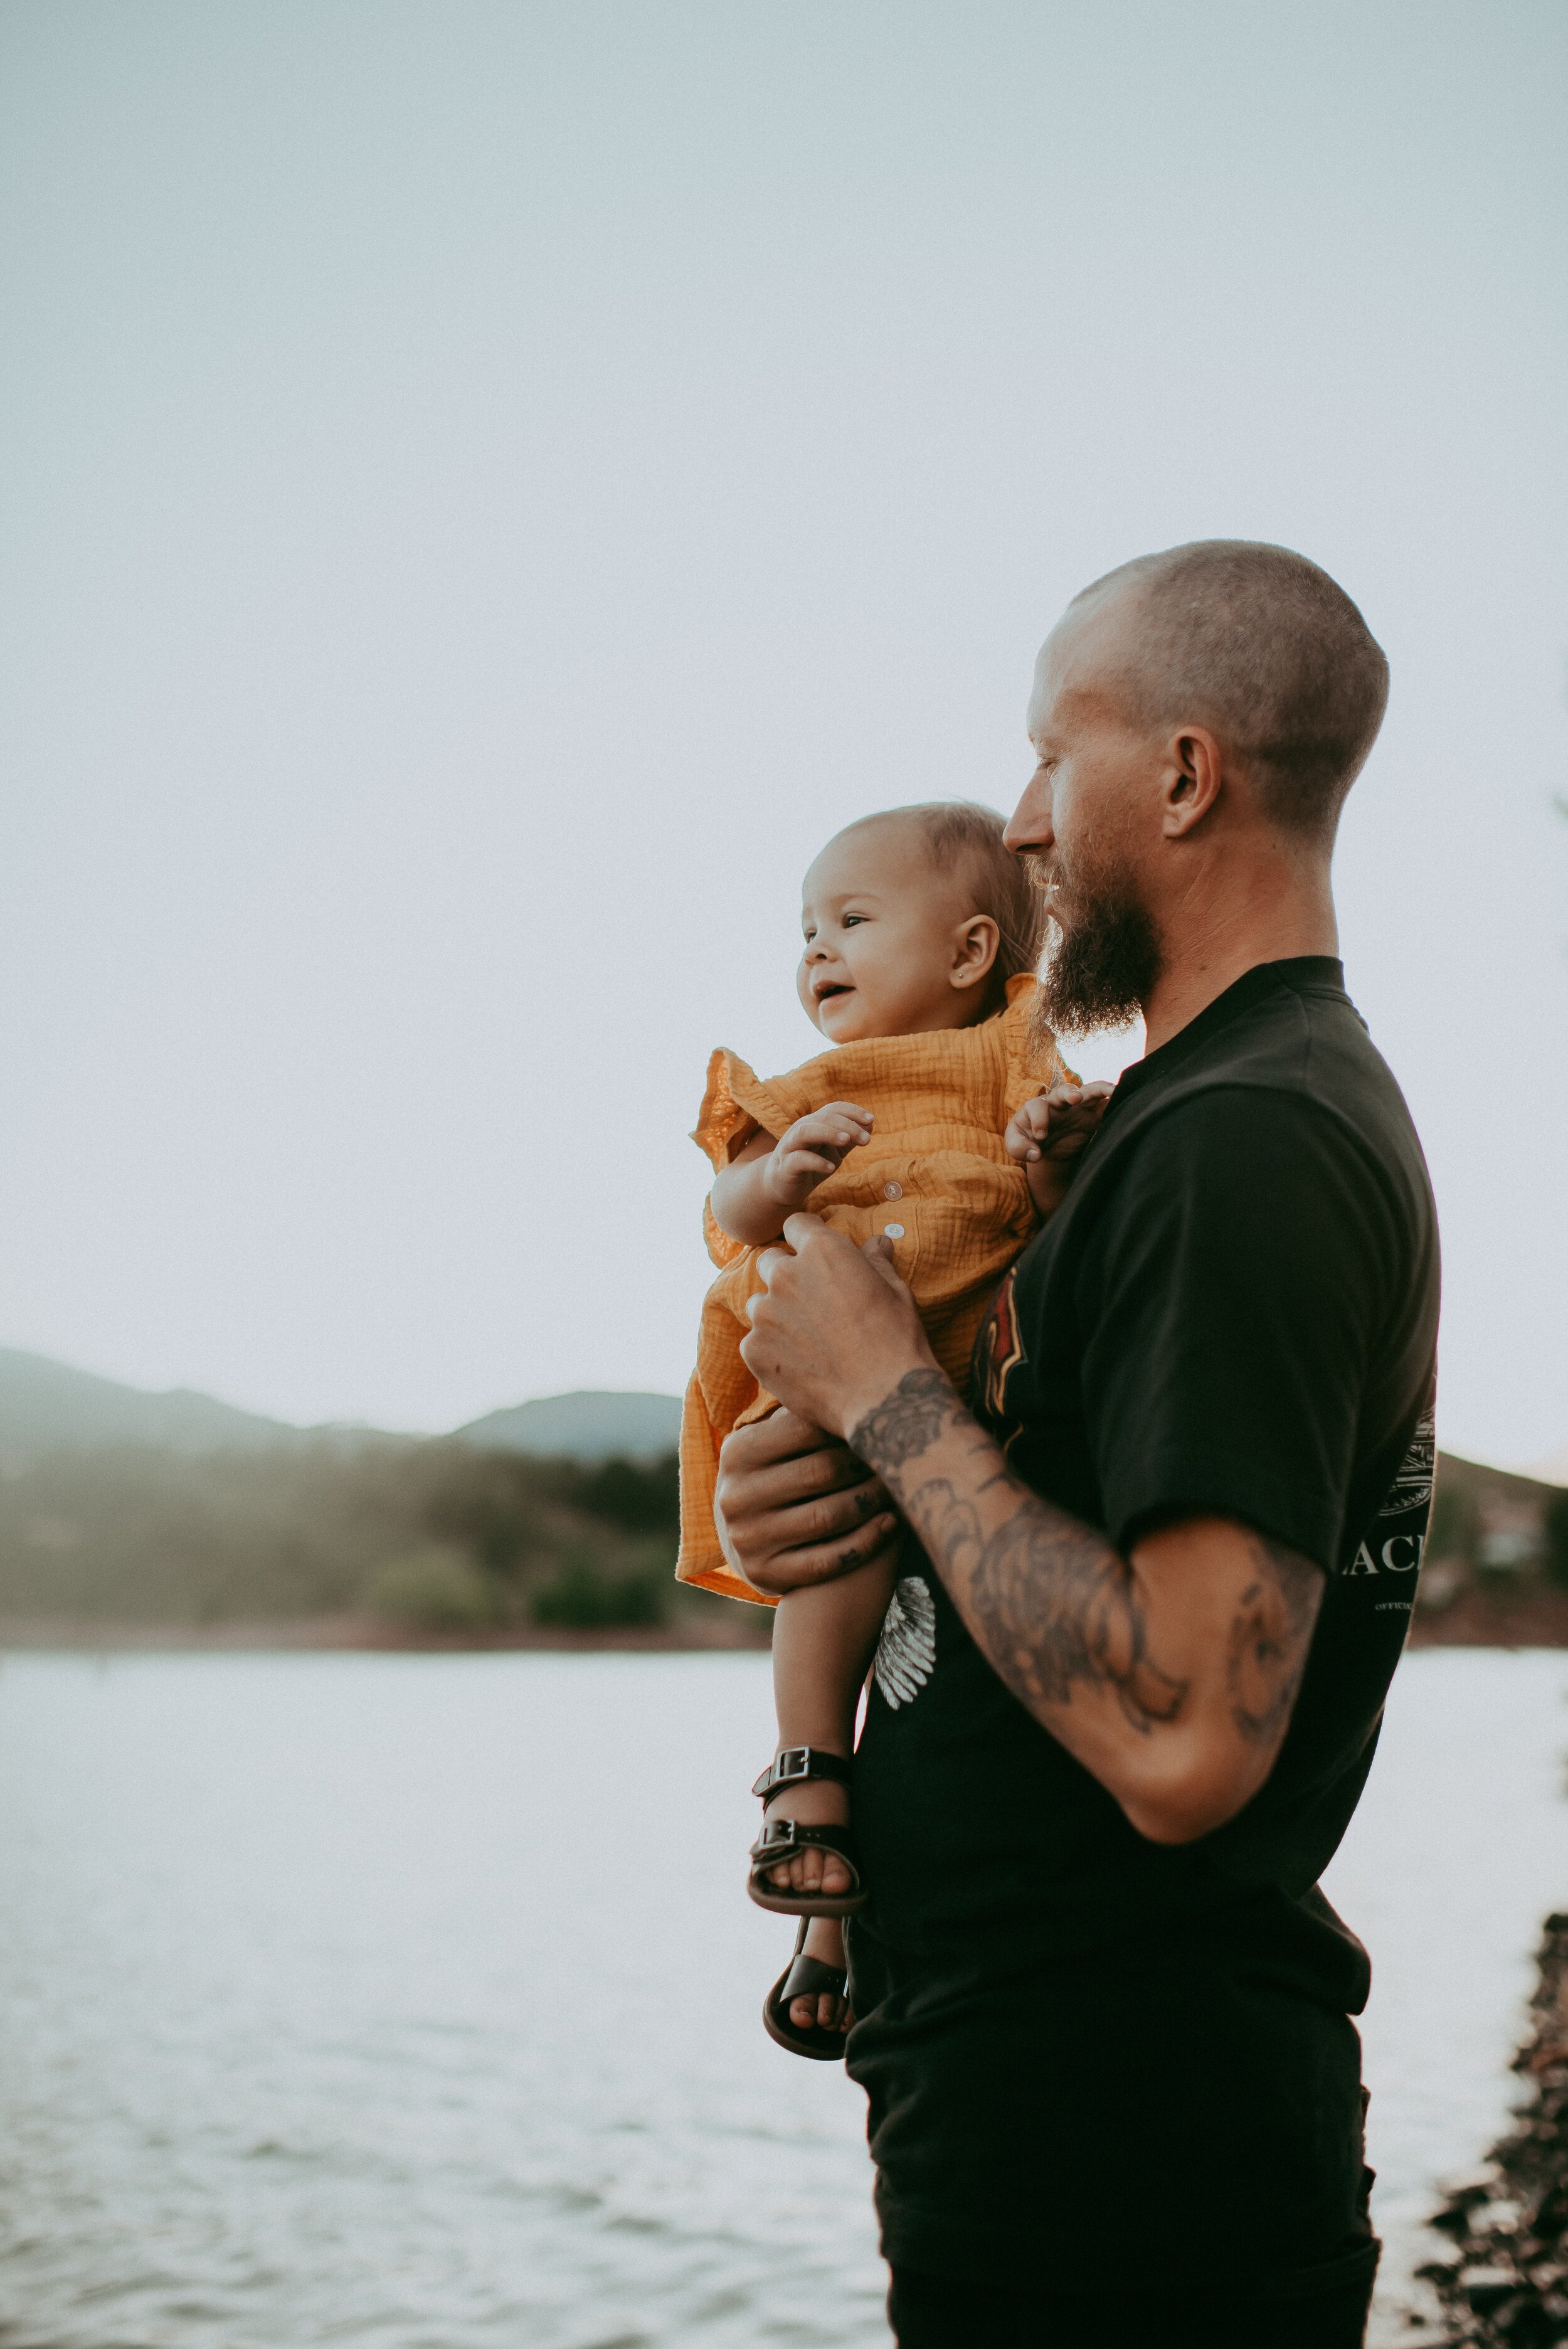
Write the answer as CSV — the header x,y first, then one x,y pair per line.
x,y
557,1518
122,1508
586,1426
47,1406
1496,1569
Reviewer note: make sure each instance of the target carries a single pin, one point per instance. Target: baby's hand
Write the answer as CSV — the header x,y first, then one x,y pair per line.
x,y
812,1149
1048,1135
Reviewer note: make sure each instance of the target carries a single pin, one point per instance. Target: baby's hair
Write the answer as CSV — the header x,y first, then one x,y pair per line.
x,y
965,839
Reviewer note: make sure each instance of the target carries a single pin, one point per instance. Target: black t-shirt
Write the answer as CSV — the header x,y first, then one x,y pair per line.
x,y
1090,2058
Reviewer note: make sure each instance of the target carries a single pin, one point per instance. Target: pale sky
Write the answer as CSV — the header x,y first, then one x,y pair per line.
x,y
488,488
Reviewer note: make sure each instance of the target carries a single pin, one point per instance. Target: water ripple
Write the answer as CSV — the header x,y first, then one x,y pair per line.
x,y
332,2017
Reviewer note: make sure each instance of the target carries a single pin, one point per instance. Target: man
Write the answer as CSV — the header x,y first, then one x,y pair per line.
x,y
1130,1695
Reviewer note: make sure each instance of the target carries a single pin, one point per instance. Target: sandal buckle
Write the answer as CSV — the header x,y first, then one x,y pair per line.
x,y
776,1831
794,1765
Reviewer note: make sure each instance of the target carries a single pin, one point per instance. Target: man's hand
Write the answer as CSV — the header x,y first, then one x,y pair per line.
x,y
811,1149
835,1330
793,1507
1049,1133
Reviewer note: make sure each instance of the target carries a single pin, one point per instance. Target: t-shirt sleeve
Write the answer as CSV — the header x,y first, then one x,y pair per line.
x,y
1234,1289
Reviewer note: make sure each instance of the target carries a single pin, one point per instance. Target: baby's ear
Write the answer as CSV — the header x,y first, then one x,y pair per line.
x,y
975,945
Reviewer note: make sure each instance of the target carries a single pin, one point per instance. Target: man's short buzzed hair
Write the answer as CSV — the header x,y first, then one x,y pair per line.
x,y
1267,651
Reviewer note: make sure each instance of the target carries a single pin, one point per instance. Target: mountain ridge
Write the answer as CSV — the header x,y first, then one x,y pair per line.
x,y
590,1423
48,1406
51,1406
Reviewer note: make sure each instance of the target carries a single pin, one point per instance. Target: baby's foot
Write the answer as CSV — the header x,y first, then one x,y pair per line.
x,y
825,1940
817,1802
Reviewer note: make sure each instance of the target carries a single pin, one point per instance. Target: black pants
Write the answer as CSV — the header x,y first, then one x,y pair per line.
x,y
928,2311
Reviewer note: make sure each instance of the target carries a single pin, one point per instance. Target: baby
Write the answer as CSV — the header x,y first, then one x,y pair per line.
x,y
930,1126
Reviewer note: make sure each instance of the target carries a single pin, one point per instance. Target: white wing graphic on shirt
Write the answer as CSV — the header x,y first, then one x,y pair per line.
x,y
906,1652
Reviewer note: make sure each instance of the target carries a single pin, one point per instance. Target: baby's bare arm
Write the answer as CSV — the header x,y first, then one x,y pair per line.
x,y
769,1179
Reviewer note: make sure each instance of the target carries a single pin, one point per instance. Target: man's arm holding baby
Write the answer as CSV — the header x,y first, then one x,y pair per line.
x,y
1170,1674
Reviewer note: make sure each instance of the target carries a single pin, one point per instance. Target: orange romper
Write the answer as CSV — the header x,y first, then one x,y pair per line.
x,y
935,1177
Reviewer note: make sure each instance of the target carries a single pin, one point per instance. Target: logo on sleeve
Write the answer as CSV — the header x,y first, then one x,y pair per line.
x,y
1397,1539
1412,1487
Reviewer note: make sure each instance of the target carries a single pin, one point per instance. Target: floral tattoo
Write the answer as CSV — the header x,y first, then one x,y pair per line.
x,y
1055,1606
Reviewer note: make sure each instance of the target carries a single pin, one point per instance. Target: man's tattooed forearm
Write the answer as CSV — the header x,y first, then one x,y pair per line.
x,y
1054,1603
1270,1634
906,1423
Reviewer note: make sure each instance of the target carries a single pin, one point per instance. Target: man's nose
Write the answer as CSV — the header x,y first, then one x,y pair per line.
x,y
1029,825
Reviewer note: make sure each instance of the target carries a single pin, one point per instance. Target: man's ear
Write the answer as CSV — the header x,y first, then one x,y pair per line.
x,y
1194,775
975,945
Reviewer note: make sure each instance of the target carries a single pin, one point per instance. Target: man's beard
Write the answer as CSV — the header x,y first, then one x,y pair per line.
x,y
1099,969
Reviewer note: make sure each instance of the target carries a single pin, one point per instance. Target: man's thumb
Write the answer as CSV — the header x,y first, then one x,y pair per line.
x,y
880,1253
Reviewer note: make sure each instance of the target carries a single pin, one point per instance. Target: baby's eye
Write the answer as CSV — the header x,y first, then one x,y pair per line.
x,y
852,920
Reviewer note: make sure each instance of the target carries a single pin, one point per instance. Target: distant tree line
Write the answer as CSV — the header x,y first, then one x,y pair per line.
x,y
441,1537
1499,1530
434,1536
1556,1532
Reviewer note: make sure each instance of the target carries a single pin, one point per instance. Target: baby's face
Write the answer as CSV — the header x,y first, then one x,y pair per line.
x,y
882,928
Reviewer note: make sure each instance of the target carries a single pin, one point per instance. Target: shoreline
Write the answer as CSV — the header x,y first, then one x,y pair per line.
x,y
1536,1618
365,1634
1507,2281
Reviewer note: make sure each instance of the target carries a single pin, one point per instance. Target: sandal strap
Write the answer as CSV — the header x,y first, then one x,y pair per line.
x,y
797,1765
805,1977
809,1978
778,1837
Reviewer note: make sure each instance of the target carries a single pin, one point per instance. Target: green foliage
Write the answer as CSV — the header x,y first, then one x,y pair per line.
x,y
433,1536
436,1588
1556,1527
490,1504
642,1500
147,1536
1452,1531
583,1595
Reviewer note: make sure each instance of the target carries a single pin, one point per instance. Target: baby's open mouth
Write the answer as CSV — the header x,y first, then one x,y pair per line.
x,y
830,986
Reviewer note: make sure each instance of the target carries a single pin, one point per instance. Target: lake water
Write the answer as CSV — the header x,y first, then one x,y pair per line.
x,y
411,2002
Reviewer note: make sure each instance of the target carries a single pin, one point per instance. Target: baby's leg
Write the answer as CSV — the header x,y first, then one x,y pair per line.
x,y
823,1642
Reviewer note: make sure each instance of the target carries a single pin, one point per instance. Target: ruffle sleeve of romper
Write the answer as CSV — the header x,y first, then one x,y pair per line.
x,y
737,1104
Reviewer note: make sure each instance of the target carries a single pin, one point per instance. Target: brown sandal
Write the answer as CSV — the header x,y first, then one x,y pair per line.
x,y
795,1766
805,1977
